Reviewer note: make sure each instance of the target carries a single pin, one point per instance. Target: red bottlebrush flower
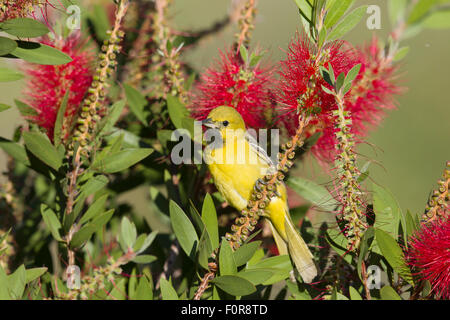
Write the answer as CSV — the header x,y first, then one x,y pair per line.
x,y
301,84
230,82
300,87
47,85
429,254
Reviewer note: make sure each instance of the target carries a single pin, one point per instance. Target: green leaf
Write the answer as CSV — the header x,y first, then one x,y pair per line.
x,y
17,282
234,285
393,254
244,53
144,290
348,23
401,53
209,218
85,233
4,107
7,75
354,294
144,259
246,252
364,247
39,53
411,225
387,210
118,291
204,249
15,150
25,110
4,292
34,273
336,11
184,230
177,112
121,160
167,290
94,209
147,242
51,220
41,147
7,45
128,232
352,74
93,185
227,265
388,293
420,9
107,123
137,103
24,28
437,20
340,81
312,192
57,135
256,276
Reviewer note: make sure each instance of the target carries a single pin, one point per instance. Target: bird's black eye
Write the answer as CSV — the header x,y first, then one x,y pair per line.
x,y
225,123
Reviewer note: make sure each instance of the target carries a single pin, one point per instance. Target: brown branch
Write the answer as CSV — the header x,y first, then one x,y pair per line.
x,y
246,23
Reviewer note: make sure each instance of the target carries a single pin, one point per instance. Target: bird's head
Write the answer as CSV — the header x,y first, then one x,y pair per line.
x,y
225,118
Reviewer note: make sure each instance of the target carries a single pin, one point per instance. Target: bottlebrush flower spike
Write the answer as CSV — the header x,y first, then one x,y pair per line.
x,y
48,84
300,85
429,254
231,82
300,88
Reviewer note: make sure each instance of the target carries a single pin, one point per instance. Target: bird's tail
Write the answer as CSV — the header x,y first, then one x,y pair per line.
x,y
299,252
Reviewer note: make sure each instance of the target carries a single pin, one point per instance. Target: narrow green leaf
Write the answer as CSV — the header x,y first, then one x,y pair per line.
x,y
340,81
312,192
137,103
25,110
256,276
336,11
7,45
121,160
144,259
227,264
437,20
24,28
388,293
94,209
118,291
167,291
387,210
51,220
7,75
246,252
57,135
353,73
234,285
85,233
128,232
4,292
393,254
184,230
354,294
15,150
209,218
244,53
4,107
39,53
147,242
177,111
34,273
94,184
401,53
17,282
41,147
144,291
396,10
107,123
420,9
347,24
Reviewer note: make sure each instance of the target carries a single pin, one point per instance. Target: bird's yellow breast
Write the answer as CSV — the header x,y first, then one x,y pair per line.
x,y
235,169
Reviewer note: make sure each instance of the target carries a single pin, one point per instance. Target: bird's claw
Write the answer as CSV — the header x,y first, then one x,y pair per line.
x,y
258,183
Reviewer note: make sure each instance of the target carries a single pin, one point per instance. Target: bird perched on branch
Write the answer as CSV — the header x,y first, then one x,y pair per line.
x,y
237,163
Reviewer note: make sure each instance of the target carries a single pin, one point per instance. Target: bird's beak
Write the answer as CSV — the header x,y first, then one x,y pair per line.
x,y
208,122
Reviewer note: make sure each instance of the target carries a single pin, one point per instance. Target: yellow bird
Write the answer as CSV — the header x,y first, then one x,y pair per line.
x,y
236,163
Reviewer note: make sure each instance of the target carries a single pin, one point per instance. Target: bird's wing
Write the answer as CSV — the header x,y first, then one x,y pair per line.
x,y
261,153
